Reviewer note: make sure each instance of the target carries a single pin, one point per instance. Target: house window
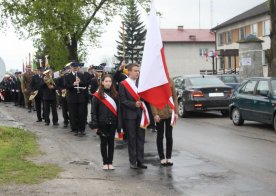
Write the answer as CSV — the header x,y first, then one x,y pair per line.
x,y
266,27
220,39
254,29
203,51
242,33
221,65
229,37
229,63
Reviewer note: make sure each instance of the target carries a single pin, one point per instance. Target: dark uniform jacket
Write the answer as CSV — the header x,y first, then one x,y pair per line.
x,y
73,95
36,84
48,94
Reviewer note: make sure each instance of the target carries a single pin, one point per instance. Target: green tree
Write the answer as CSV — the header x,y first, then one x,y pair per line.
x,y
272,66
134,35
72,23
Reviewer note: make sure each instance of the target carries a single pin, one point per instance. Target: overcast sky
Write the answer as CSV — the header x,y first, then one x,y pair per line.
x,y
174,13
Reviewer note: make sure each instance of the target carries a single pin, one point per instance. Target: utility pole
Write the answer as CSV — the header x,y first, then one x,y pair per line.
x,y
211,12
199,14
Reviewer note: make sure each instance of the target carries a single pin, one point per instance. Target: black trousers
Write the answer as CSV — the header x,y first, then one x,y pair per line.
x,y
53,106
64,107
77,116
107,142
38,102
164,125
15,97
20,99
136,141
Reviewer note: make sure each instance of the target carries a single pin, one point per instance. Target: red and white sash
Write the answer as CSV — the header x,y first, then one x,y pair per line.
x,y
133,91
172,106
108,102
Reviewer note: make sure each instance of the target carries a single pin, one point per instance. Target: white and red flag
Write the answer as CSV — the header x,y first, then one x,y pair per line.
x,y
154,85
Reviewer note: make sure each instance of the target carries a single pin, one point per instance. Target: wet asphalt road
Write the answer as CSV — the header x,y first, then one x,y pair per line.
x,y
211,157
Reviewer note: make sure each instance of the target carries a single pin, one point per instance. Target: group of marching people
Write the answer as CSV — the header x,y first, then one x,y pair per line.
x,y
115,106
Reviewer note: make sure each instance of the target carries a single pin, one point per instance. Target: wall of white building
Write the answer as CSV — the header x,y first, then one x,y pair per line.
x,y
185,59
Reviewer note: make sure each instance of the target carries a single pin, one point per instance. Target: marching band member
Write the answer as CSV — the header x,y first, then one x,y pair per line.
x,y
36,88
62,89
27,78
104,117
49,98
20,98
75,84
96,80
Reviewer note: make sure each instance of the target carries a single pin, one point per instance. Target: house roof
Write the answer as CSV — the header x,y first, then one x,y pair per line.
x,y
187,35
256,11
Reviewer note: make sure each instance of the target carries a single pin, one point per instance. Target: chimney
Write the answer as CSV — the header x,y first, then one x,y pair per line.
x,y
180,28
192,37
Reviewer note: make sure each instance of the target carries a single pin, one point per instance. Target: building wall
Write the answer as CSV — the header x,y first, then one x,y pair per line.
x,y
184,58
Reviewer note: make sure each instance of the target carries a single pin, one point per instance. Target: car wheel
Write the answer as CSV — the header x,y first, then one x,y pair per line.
x,y
236,117
182,111
274,122
225,113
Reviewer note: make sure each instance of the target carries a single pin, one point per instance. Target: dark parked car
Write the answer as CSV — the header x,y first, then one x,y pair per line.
x,y
254,100
232,80
202,93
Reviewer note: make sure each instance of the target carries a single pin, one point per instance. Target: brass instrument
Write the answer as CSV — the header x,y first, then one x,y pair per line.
x,y
63,93
48,79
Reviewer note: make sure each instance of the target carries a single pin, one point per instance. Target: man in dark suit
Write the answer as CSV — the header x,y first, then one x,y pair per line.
x,y
60,82
132,113
49,98
20,97
75,84
36,85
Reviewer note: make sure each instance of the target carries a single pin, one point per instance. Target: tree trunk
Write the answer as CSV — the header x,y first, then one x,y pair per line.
x,y
272,71
72,47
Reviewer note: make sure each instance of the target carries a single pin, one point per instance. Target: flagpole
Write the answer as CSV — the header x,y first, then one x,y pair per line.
x,y
124,42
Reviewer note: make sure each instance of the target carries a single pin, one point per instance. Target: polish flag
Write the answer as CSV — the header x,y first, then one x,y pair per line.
x,y
154,85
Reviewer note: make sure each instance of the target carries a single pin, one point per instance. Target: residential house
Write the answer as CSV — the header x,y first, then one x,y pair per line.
x,y
186,49
255,21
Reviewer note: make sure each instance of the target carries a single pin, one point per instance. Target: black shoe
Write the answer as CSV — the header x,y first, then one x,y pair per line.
x,y
133,166
47,124
76,134
142,166
82,134
170,163
65,125
39,120
55,124
30,111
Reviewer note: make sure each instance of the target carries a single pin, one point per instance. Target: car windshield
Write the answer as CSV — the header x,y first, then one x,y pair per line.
x,y
273,84
206,81
229,79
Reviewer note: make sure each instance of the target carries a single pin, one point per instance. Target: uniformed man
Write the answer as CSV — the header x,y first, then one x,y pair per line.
x,y
26,81
49,98
96,80
76,88
87,77
63,93
36,85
